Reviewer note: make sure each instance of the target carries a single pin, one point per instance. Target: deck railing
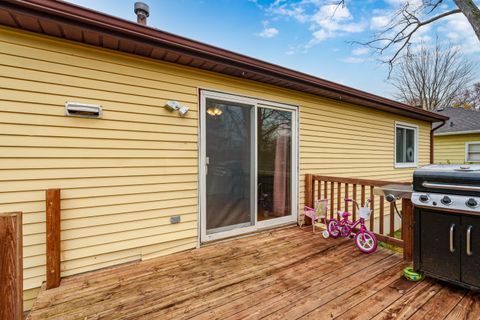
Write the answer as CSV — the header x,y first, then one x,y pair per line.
x,y
384,222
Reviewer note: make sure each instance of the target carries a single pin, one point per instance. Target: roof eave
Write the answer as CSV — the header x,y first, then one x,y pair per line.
x,y
223,60
456,133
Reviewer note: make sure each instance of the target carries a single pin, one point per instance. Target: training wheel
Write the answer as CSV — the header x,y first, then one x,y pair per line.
x,y
325,234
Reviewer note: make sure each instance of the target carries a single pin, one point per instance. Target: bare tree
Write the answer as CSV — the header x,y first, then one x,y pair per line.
x,y
410,18
469,98
431,77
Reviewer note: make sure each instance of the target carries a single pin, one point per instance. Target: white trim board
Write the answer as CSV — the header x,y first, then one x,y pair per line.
x,y
257,225
410,126
467,145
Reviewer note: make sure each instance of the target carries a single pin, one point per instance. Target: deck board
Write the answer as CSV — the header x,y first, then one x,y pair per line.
x,y
287,273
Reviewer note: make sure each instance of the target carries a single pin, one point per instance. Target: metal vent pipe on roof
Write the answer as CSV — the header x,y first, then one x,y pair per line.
x,y
142,11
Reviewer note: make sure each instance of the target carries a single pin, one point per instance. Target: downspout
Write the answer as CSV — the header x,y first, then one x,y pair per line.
x,y
431,139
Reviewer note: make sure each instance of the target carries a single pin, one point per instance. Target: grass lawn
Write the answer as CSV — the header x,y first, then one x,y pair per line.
x,y
398,235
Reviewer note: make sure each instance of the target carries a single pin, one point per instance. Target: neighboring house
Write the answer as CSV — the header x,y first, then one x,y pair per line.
x,y
141,181
458,141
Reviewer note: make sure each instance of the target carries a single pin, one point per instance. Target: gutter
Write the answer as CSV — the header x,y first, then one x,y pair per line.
x,y
432,149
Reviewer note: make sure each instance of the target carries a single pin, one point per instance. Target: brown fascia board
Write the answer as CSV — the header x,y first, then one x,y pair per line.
x,y
62,12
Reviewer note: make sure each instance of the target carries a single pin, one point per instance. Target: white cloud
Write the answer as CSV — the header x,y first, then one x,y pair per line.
x,y
333,17
332,12
453,36
422,35
268,33
326,18
459,31
320,35
419,39
331,21
399,3
379,22
383,18
353,60
360,51
295,10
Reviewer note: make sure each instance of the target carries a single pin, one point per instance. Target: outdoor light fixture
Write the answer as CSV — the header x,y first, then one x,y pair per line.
x,y
172,105
183,111
214,111
176,106
83,110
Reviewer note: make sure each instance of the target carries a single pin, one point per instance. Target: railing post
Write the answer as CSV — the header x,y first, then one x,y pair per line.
x,y
308,196
11,266
407,229
53,237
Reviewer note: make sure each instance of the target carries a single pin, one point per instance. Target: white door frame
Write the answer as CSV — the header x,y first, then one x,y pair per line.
x,y
257,225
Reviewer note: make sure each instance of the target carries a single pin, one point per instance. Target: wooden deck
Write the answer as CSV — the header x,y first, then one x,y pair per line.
x,y
284,274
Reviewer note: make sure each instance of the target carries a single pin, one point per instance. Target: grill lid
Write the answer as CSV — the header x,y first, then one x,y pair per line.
x,y
448,179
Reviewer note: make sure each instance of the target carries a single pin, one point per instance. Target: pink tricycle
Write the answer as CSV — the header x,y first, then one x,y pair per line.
x,y
343,227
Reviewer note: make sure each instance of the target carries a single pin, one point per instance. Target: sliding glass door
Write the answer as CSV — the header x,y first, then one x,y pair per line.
x,y
229,165
274,164
247,165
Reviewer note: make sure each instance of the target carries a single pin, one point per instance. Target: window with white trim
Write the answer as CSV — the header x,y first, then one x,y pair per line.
x,y
472,152
406,145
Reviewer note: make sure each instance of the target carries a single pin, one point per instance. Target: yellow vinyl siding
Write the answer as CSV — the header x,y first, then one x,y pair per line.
x,y
451,148
123,176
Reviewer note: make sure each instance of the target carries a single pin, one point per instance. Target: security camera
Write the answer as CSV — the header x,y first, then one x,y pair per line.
x,y
172,105
183,111
176,106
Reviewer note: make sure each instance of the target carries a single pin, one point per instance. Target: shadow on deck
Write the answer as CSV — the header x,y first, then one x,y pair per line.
x,y
283,274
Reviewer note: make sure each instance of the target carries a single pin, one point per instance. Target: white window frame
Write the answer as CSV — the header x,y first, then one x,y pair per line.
x,y
407,126
467,147
205,94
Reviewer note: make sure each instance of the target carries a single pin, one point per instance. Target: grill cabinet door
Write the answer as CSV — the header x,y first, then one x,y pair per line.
x,y
471,260
436,253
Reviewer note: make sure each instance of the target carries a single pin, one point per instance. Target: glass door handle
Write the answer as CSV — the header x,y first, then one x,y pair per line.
x,y
207,162
452,230
469,241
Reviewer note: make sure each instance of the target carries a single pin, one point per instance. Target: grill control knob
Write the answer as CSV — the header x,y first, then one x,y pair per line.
x,y
424,198
472,203
446,200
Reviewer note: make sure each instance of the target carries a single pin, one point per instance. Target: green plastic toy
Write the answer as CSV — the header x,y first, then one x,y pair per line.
x,y
412,275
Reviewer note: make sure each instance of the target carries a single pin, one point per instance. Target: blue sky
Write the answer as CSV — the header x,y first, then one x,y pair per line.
x,y
312,36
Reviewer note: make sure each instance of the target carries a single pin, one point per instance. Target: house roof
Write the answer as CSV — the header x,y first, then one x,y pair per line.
x,y
64,20
461,121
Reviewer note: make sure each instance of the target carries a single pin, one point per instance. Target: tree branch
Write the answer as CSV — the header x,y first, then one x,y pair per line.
x,y
399,33
440,16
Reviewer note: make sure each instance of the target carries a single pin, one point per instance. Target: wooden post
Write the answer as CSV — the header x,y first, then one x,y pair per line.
x,y
53,237
11,266
407,229
308,196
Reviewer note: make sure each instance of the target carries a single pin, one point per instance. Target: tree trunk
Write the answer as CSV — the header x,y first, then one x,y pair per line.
x,y
472,12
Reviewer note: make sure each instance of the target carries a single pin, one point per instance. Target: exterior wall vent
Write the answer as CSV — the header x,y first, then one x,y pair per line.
x,y
76,109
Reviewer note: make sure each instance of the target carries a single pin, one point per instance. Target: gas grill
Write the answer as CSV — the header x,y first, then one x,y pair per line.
x,y
447,223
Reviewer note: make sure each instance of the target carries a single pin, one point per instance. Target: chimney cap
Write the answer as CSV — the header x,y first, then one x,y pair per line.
x,y
141,8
